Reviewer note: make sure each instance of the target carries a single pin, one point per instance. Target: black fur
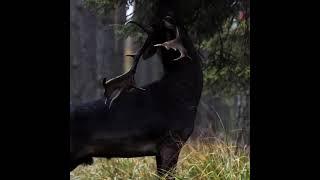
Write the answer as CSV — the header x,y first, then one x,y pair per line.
x,y
156,122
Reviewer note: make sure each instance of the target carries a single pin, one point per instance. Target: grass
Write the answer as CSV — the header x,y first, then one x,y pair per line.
x,y
197,161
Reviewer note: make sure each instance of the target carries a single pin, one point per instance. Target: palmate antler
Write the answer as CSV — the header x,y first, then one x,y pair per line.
x,y
125,82
175,44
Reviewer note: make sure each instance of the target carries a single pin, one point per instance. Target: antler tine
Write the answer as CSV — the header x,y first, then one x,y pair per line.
x,y
131,55
148,31
136,58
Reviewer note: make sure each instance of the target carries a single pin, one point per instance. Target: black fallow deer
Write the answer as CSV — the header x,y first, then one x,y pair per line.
x,y
155,122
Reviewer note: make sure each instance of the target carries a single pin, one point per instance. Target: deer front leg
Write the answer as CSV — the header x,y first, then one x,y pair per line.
x,y
167,160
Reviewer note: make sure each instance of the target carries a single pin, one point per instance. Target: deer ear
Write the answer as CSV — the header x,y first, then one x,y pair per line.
x,y
114,95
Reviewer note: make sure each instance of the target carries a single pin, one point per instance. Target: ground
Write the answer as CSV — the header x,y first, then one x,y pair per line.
x,y
216,161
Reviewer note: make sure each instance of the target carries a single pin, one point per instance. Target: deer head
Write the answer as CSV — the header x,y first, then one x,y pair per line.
x,y
125,82
175,44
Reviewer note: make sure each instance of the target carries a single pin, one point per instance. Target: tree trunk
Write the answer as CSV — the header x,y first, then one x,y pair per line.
x,y
75,53
95,52
243,119
88,72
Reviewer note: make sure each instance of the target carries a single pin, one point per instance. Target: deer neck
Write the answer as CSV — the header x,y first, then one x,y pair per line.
x,y
184,77
183,81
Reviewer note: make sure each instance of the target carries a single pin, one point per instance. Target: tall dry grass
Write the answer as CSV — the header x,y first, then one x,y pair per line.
x,y
217,161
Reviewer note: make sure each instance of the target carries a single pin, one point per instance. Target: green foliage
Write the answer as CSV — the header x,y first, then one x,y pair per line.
x,y
101,7
125,31
227,69
215,29
216,161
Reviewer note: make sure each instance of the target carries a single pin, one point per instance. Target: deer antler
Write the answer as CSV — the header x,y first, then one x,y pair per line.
x,y
175,44
125,82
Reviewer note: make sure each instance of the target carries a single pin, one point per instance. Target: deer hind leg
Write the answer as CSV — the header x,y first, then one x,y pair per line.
x,y
75,162
72,163
79,157
167,159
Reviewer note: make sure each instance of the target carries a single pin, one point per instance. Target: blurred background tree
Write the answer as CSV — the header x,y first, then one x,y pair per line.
x,y
220,30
